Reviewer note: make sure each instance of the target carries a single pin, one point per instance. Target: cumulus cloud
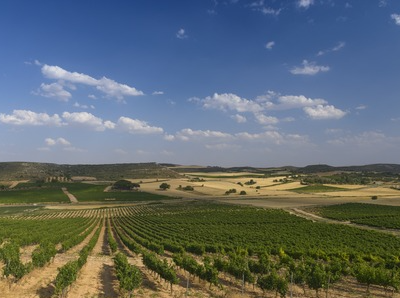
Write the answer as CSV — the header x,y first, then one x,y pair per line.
x,y
239,118
59,141
181,34
396,18
109,87
135,126
87,119
309,68
25,117
305,3
268,136
54,90
266,120
297,101
232,102
321,112
169,137
270,45
317,108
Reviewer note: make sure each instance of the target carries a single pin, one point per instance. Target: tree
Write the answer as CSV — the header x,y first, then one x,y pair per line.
x,y
125,185
164,186
242,193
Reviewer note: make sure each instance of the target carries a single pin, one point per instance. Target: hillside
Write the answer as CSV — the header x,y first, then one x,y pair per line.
x,y
30,170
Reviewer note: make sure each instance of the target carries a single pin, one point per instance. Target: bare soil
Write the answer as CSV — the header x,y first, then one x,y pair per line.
x,y
96,278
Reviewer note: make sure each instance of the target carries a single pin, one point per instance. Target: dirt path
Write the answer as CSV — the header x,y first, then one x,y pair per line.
x,y
96,278
316,218
70,196
37,284
15,183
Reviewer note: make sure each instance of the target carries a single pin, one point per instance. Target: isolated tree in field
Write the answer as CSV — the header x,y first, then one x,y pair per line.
x,y
165,186
125,185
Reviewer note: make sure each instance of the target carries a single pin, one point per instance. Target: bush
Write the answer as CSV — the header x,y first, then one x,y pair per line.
x,y
242,193
232,190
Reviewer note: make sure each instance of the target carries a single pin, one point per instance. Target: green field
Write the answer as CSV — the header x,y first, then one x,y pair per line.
x,y
366,214
33,196
90,192
317,188
33,193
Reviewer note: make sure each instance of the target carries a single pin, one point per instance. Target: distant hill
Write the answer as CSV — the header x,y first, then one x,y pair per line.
x,y
311,169
36,171
375,168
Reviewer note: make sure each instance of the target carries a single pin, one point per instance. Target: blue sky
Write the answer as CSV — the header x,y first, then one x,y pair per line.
x,y
206,82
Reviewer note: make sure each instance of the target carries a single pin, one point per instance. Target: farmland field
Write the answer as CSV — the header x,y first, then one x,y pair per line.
x,y
217,243
84,192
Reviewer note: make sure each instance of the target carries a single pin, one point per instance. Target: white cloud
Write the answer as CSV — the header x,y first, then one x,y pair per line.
x,y
309,68
396,18
363,139
181,34
87,119
383,3
239,118
270,45
78,105
135,126
229,101
25,117
109,87
298,101
222,147
54,90
321,112
158,93
169,137
265,120
58,73
336,48
339,46
268,136
361,107
59,141
305,3
266,10
189,134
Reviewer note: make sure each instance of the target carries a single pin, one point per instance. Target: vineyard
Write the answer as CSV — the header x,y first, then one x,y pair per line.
x,y
195,249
